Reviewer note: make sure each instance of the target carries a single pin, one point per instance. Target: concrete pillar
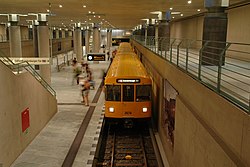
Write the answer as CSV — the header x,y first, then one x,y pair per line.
x,y
87,36
74,40
30,32
109,39
57,34
78,43
214,29
163,32
150,32
35,38
156,36
14,36
43,46
96,39
63,33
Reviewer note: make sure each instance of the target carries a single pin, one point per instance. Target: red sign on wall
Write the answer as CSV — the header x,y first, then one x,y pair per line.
x,y
25,119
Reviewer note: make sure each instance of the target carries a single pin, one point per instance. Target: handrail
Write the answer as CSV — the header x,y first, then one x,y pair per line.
x,y
18,67
222,66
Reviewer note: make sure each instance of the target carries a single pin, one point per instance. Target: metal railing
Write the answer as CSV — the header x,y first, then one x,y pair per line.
x,y
224,67
25,66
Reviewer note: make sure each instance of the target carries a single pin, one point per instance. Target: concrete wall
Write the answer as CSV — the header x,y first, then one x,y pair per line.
x,y
188,29
19,92
209,130
28,50
238,26
237,30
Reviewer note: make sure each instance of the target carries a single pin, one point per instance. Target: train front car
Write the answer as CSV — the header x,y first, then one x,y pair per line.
x,y
127,89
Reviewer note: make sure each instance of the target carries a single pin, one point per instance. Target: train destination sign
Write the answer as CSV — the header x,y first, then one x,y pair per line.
x,y
128,80
96,56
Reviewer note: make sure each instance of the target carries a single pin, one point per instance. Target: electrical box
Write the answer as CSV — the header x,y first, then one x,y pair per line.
x,y
25,119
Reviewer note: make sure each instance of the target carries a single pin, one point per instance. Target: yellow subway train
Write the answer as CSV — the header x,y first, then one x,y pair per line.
x,y
128,87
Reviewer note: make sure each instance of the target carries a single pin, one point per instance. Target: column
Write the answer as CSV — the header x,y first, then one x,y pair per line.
x,y
35,40
96,39
150,32
30,32
156,36
78,42
43,46
163,32
74,39
109,39
14,36
142,32
63,33
87,36
57,34
214,29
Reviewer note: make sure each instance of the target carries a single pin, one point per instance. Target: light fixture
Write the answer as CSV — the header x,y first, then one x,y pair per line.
x,y
172,17
93,12
181,14
198,10
171,8
111,109
173,13
60,6
144,109
47,10
99,16
89,11
84,6
189,2
94,15
71,20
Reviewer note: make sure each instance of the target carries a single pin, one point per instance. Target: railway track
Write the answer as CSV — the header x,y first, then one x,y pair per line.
x,y
127,147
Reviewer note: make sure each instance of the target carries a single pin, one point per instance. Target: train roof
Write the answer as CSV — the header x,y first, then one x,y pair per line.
x,y
125,47
126,65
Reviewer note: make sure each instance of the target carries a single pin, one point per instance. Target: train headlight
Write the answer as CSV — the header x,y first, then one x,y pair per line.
x,y
144,109
111,109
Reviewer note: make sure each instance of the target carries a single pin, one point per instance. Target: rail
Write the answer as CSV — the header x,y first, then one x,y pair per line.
x,y
224,67
25,66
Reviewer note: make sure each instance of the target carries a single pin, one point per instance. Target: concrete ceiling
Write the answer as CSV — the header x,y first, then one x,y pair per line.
x,y
123,14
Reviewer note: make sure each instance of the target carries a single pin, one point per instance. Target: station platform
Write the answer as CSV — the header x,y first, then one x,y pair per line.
x,y
51,148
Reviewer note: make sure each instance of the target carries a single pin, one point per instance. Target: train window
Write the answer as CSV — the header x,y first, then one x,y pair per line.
x,y
128,92
113,92
143,92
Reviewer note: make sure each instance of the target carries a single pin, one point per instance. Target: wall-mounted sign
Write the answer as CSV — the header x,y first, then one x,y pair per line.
x,y
31,60
96,56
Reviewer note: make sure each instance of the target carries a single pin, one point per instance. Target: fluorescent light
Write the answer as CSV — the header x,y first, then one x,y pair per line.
x,y
173,13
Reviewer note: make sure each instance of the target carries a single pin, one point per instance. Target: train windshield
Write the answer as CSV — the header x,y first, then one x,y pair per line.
x,y
143,93
113,92
128,92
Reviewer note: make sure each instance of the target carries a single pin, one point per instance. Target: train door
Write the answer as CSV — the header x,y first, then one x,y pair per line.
x,y
127,96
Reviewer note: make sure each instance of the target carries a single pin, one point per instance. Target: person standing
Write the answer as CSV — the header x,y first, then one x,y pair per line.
x,y
76,71
85,92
